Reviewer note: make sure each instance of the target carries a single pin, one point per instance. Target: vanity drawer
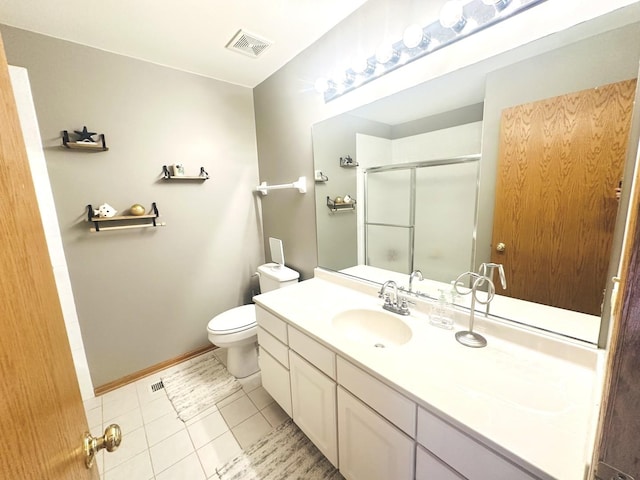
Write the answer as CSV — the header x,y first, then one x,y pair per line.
x,y
275,380
429,467
318,355
276,348
464,454
272,324
392,405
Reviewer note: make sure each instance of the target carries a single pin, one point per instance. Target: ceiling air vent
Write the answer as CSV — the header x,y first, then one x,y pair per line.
x,y
248,44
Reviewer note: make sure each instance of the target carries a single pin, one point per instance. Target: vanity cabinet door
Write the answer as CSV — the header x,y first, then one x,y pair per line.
x,y
429,467
370,447
313,397
275,380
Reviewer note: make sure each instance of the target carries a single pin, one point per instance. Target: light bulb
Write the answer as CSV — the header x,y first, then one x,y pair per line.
x,y
386,54
452,16
414,37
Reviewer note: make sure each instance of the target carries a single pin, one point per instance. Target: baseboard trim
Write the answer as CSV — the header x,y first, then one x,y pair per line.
x,y
121,382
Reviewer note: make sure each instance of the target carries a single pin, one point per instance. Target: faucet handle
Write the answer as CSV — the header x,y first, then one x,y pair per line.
x,y
404,303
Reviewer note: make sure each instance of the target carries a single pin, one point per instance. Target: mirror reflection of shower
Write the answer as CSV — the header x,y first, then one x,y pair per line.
x,y
420,215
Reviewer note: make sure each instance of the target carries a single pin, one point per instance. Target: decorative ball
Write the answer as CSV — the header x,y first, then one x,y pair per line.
x,y
136,209
339,200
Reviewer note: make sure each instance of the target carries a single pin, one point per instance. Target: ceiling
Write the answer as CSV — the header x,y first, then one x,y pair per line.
x,y
189,35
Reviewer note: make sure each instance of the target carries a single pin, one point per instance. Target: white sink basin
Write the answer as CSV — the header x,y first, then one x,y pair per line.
x,y
372,327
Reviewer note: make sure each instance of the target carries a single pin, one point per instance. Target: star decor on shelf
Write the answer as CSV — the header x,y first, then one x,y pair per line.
x,y
85,136
85,140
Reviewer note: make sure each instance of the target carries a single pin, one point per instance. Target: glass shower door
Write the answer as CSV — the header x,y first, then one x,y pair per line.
x,y
389,216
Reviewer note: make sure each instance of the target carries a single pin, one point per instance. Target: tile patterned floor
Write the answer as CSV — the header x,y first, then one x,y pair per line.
x,y
158,446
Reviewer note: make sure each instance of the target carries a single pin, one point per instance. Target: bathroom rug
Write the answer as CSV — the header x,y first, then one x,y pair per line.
x,y
201,384
285,453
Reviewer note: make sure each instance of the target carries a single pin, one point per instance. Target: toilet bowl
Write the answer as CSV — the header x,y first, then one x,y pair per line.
x,y
236,329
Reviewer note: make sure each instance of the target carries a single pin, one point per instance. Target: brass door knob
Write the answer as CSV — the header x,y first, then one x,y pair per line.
x,y
500,247
110,440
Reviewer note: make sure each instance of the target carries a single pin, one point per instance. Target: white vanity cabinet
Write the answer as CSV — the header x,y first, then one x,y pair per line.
x,y
428,467
273,358
462,453
313,398
371,448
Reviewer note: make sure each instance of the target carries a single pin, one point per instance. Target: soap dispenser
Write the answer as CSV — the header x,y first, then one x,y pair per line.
x,y
442,315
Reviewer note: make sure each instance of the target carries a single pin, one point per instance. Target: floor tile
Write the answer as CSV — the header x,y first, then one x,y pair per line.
x,y
260,397
274,414
170,451
207,429
231,398
163,427
132,444
119,393
201,415
94,419
218,452
156,409
91,403
251,382
136,468
188,468
238,411
251,430
145,393
127,422
120,404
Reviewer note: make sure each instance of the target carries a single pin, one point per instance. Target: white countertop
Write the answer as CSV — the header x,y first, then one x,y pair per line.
x,y
528,396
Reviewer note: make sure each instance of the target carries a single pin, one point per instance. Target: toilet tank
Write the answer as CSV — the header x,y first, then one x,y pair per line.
x,y
273,276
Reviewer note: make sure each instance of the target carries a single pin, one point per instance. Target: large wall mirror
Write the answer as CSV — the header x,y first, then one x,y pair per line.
x,y
425,174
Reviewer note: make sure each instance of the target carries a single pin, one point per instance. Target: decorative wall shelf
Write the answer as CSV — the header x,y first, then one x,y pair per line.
x,y
124,222
320,177
341,207
348,162
86,141
203,175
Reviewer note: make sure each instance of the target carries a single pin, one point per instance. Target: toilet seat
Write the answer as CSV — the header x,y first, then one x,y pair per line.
x,y
235,320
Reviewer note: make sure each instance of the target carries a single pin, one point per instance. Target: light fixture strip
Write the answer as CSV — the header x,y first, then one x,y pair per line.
x,y
477,15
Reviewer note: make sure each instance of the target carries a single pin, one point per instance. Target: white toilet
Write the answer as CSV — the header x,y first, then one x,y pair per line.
x,y
236,329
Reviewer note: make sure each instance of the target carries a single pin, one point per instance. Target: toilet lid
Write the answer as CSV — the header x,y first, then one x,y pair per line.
x,y
235,320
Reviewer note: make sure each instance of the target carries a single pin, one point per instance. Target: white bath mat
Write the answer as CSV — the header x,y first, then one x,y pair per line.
x,y
285,453
199,385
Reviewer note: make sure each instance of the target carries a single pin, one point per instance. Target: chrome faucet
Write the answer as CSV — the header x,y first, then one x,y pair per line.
x,y
397,305
415,274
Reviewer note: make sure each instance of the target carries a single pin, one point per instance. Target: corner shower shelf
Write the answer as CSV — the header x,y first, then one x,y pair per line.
x,y
203,175
99,146
335,207
125,222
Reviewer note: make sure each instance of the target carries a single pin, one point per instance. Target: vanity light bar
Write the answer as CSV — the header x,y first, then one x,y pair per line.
x,y
457,20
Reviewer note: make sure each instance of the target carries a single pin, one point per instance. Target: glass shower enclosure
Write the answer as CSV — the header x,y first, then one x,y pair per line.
x,y
421,215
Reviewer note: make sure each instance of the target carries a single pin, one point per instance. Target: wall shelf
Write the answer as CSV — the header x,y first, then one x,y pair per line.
x,y
166,174
124,222
99,146
348,162
341,207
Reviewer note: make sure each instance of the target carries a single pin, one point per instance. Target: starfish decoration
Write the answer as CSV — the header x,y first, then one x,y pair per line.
x,y
85,136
